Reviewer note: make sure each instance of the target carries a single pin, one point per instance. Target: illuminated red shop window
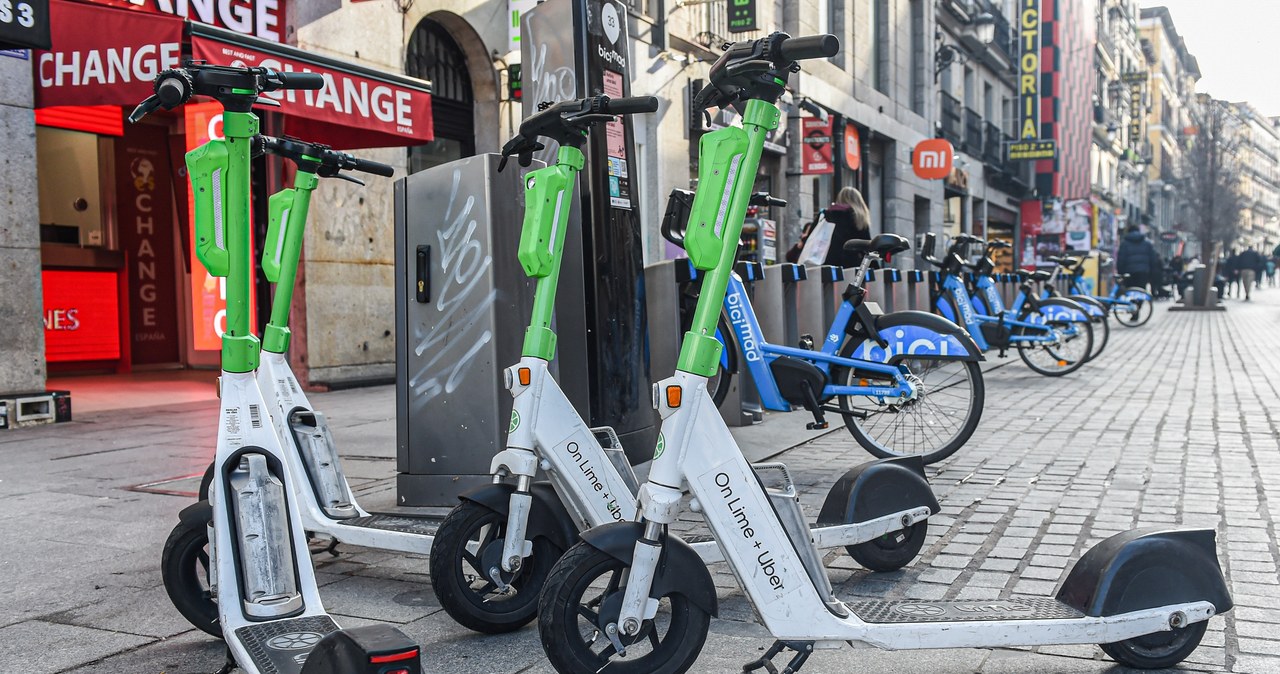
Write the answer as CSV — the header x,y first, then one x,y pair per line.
x,y
81,315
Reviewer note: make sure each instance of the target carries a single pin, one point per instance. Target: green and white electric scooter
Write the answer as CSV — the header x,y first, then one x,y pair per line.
x,y
494,550
270,612
633,598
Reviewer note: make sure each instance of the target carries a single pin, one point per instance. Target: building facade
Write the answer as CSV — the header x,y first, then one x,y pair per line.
x,y
1119,145
1259,180
1171,119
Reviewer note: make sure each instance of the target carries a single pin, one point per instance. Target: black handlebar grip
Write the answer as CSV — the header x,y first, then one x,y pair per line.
x,y
374,167
810,47
631,105
171,92
301,80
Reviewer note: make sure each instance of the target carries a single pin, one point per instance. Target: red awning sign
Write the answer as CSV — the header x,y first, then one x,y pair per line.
x,y
104,57
351,96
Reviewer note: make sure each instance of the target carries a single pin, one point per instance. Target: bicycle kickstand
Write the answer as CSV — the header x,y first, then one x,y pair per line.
x,y
811,403
803,650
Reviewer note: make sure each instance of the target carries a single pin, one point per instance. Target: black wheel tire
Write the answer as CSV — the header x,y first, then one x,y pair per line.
x,y
976,405
1101,326
1024,348
462,602
184,556
1145,310
202,494
1159,650
718,386
558,614
891,551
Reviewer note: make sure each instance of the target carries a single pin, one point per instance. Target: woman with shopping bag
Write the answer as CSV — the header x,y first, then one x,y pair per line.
x,y
822,241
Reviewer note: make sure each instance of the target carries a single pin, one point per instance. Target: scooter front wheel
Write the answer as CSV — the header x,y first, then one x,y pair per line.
x,y
1158,650
580,606
467,548
184,567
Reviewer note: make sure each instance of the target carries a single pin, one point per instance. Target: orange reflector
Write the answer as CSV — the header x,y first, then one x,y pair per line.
x,y
1063,363
524,376
673,396
863,382
393,657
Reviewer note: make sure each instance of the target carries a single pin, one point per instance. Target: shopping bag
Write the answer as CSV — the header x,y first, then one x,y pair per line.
x,y
815,248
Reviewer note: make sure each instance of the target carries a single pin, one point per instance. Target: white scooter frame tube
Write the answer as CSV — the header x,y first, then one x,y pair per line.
x,y
547,433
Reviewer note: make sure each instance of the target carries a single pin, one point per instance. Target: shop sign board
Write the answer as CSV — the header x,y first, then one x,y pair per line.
x,y
264,19
24,24
742,16
933,159
104,57
348,98
81,315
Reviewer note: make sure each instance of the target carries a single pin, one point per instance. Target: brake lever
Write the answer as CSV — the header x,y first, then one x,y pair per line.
x,y
144,108
348,178
269,102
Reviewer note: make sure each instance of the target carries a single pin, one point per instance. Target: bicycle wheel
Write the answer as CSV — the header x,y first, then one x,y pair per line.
x,y
1068,354
1101,329
719,384
1139,309
942,417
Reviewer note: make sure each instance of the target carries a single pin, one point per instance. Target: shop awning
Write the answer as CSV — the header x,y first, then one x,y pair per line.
x,y
108,56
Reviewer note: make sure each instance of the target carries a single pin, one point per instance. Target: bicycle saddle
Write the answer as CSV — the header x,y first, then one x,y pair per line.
x,y
1037,275
884,244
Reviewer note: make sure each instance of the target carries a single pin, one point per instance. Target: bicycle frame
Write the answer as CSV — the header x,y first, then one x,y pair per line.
x,y
972,319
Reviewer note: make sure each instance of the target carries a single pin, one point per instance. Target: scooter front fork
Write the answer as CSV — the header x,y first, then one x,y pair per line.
x,y
659,505
515,547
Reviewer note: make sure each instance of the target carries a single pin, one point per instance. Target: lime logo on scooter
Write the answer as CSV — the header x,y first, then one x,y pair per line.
x,y
660,447
293,641
515,422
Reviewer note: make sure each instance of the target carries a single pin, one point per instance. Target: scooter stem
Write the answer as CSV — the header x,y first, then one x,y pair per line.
x,y
240,348
276,336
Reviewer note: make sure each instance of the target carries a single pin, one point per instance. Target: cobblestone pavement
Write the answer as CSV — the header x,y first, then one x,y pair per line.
x,y
1176,424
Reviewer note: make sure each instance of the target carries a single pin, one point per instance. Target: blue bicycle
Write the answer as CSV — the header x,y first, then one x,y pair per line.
x,y
1132,306
1052,336
906,383
1096,311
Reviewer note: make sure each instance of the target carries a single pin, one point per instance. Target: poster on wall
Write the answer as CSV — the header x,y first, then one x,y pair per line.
x,y
815,153
144,208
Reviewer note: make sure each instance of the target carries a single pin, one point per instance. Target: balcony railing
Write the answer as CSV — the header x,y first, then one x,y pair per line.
x,y
1004,41
706,24
993,145
972,132
951,119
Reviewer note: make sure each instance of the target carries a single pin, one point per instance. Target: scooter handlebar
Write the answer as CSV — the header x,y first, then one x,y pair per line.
x,y
810,47
631,105
300,80
367,166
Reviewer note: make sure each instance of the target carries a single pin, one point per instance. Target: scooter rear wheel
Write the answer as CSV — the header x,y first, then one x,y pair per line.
x,y
892,551
184,567
459,579
1158,650
584,594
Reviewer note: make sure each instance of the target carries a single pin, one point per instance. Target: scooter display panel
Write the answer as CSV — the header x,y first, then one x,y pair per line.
x,y
420,526
282,646
914,611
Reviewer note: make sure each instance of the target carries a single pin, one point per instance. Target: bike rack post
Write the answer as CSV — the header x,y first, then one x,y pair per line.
x,y
875,287
918,291
792,276
1008,288
896,298
741,406
811,306
662,282
832,278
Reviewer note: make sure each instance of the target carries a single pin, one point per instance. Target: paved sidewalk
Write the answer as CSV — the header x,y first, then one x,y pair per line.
x,y
1177,423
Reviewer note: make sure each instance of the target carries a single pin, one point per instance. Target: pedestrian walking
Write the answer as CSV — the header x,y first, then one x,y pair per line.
x,y
1231,271
847,218
1271,272
1139,259
1250,265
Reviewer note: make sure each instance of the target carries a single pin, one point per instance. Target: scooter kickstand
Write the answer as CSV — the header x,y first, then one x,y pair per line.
x,y
229,666
803,650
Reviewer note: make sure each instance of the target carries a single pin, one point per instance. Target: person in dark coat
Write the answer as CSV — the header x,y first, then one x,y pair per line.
x,y
1251,266
1139,259
851,219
